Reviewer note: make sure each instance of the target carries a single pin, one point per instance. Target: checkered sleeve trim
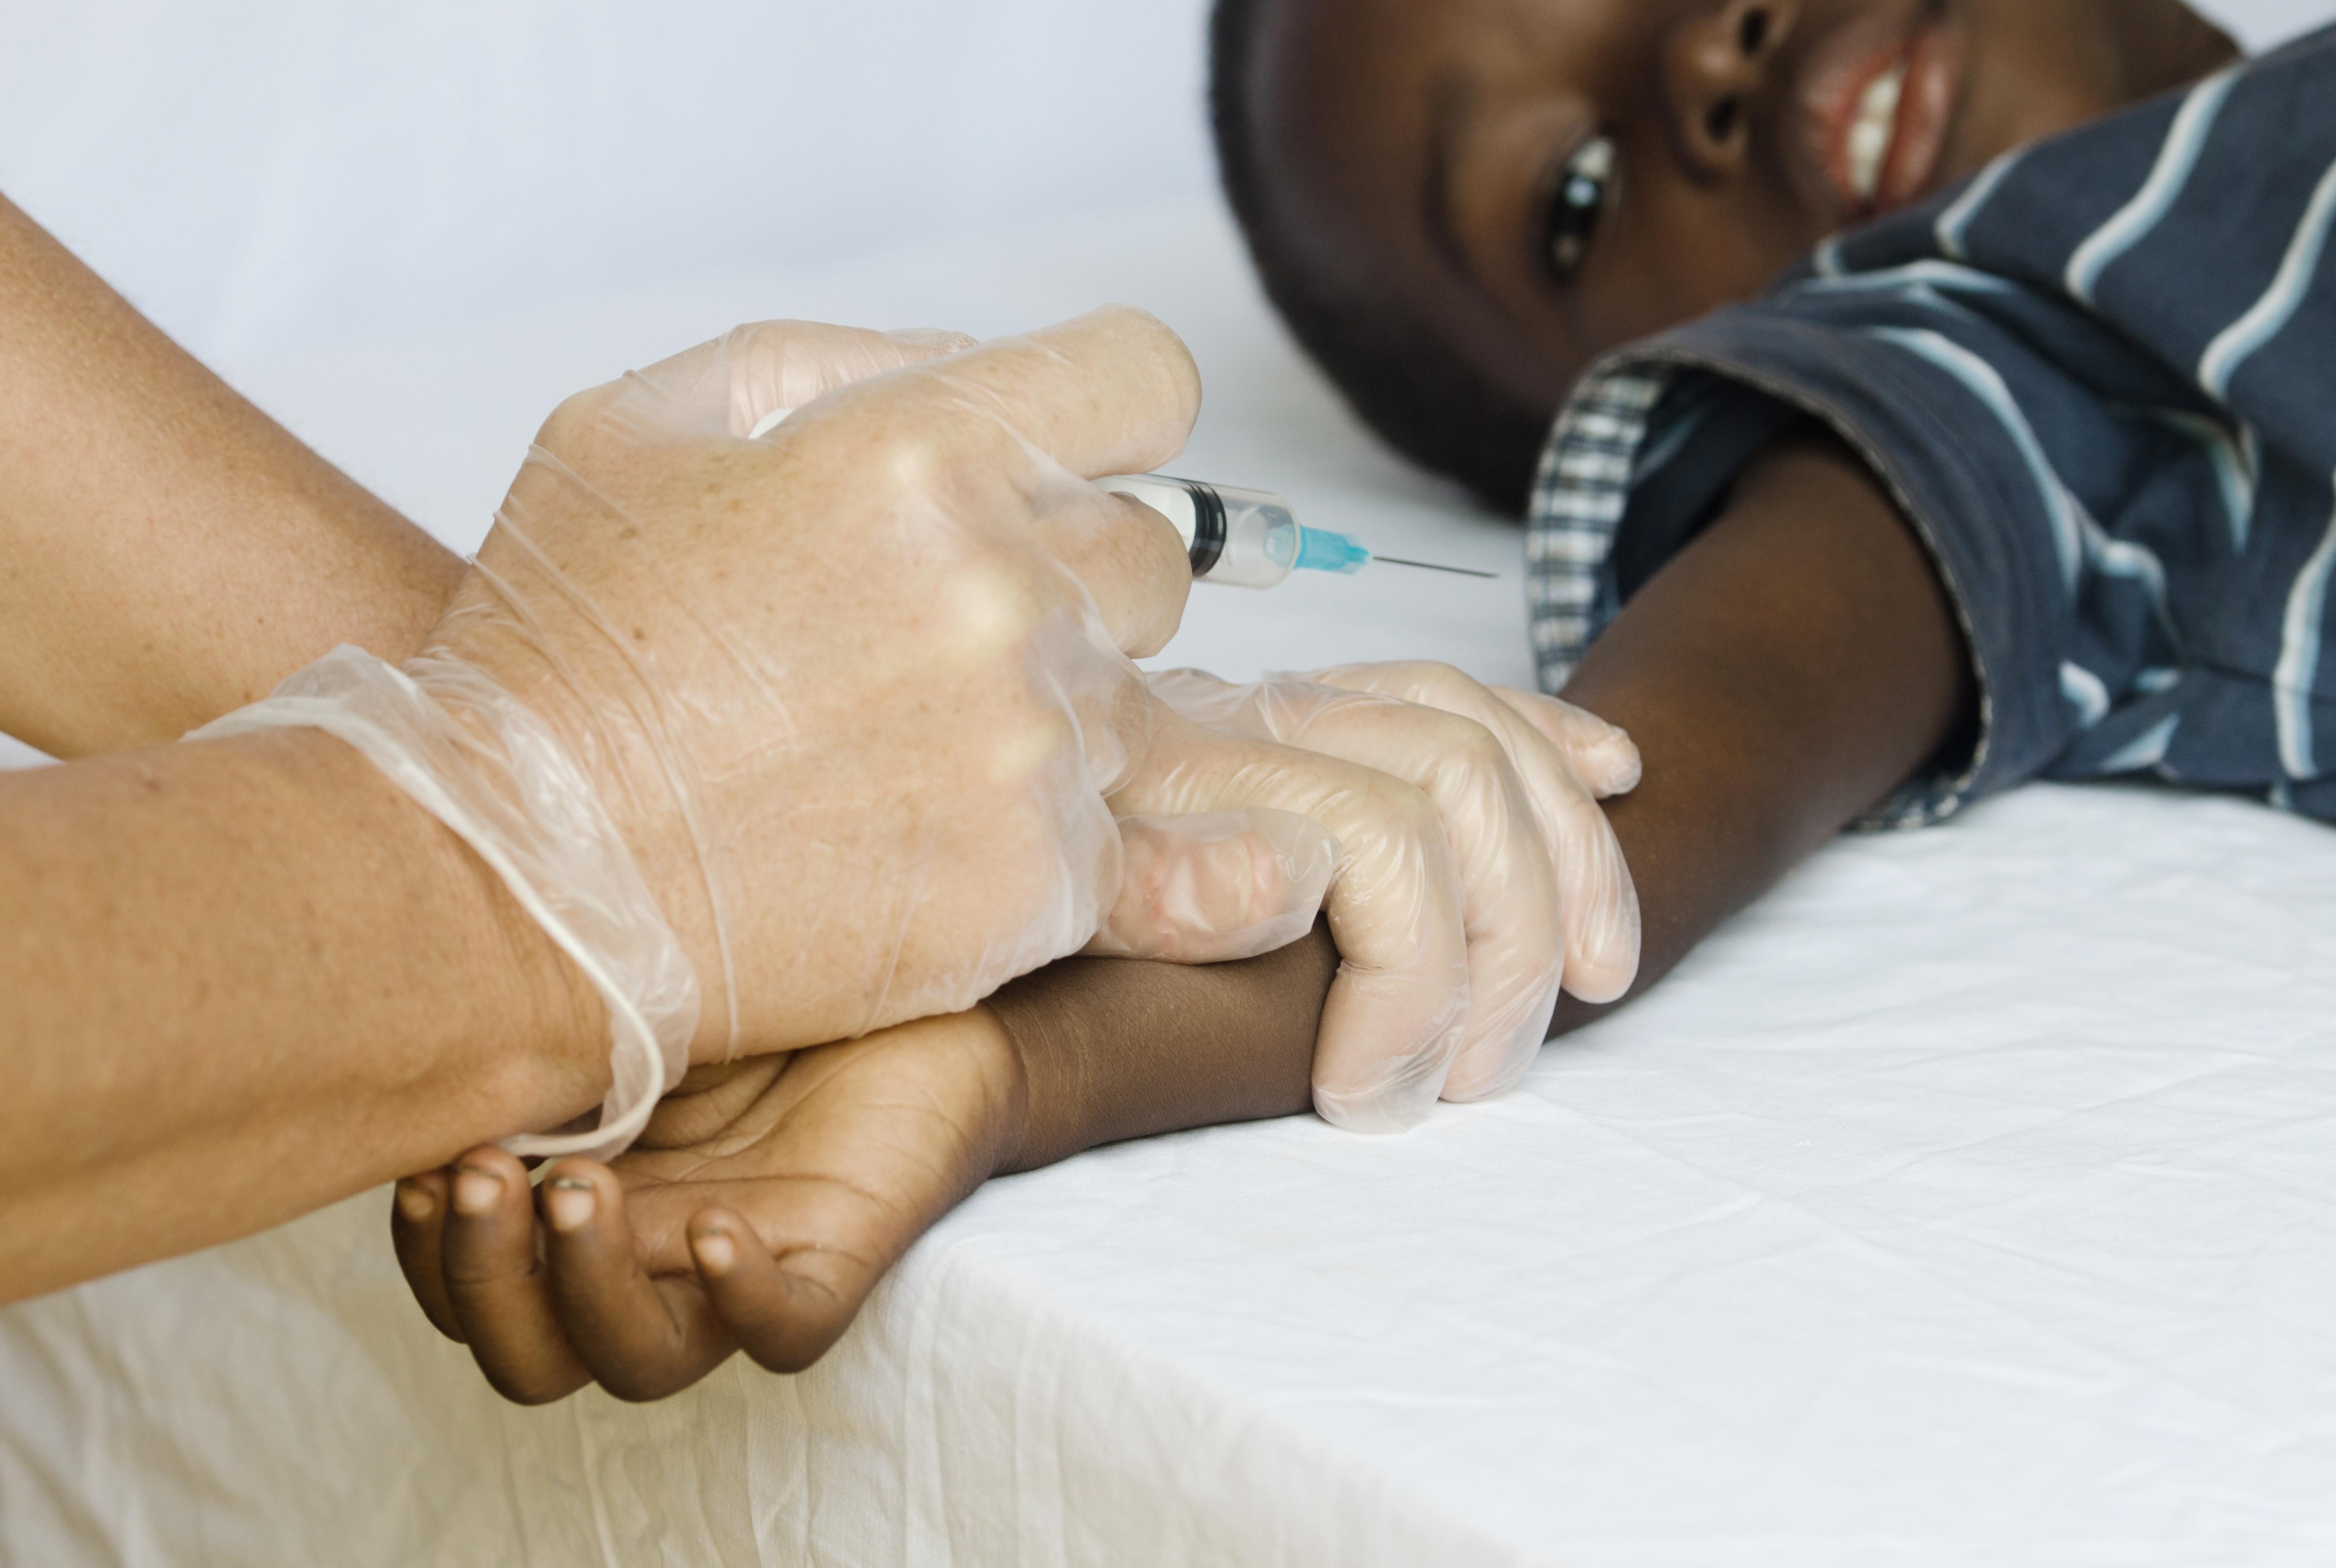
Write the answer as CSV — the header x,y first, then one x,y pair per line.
x,y
1579,497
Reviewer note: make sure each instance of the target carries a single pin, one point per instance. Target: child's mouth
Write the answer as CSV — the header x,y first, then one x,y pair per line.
x,y
1879,97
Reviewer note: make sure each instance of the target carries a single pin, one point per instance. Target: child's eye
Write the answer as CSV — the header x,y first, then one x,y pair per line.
x,y
1576,205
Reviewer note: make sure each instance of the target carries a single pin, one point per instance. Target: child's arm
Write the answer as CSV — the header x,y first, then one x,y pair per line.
x,y
1790,669
1782,674
760,1210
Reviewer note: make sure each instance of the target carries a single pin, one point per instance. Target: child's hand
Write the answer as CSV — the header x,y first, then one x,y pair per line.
x,y
757,1213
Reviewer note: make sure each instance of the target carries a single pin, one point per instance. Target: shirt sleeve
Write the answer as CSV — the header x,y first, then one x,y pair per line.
x,y
1923,391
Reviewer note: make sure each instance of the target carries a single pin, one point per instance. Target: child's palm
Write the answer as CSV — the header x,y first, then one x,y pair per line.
x,y
797,1182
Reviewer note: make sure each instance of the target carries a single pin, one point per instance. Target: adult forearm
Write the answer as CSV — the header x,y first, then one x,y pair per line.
x,y
244,978
167,553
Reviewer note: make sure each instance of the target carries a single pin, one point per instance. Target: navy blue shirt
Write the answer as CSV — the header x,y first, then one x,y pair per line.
x,y
2099,381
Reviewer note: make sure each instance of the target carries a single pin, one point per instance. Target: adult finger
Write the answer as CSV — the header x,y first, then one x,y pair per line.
x,y
1552,743
1107,393
1114,391
642,1339
1128,557
1515,925
778,367
1397,1011
496,1286
417,1229
1602,755
1216,888
750,378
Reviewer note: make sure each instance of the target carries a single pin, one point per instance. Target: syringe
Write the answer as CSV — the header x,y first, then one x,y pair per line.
x,y
1248,538
1240,538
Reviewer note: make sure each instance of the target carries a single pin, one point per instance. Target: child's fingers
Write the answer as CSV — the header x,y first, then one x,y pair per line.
x,y
495,1284
417,1229
785,1319
642,1339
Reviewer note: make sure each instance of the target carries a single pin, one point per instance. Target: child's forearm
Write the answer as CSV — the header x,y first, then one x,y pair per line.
x,y
1786,672
1781,676
1116,1048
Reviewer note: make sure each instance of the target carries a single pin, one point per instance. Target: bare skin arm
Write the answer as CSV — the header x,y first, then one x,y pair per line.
x,y
412,1008
167,553
1786,672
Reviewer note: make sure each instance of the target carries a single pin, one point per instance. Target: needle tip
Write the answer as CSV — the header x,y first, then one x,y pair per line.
x,y
1432,566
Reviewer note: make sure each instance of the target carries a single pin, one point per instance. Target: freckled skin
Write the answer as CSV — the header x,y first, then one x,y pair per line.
x,y
1349,96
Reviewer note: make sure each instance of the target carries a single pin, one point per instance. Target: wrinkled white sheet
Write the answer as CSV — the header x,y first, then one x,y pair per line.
x,y
1972,1200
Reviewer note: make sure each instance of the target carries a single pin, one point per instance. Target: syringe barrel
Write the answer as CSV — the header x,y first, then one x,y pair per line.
x,y
1240,538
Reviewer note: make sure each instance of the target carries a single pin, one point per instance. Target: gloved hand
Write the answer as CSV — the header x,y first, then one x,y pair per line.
x,y
795,668
1477,872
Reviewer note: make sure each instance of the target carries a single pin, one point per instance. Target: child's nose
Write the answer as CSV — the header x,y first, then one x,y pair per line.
x,y
1714,64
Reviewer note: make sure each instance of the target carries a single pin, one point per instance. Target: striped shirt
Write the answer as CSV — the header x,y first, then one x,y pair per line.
x,y
2099,381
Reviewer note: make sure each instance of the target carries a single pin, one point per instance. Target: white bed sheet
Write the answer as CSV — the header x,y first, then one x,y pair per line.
x,y
1972,1200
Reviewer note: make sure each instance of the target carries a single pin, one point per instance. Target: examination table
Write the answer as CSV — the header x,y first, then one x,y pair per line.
x,y
1972,1200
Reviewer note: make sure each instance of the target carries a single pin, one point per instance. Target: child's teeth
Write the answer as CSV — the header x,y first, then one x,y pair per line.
x,y
1870,133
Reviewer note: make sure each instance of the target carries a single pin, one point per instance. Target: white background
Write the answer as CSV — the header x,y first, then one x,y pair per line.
x,y
407,229
264,167
1972,1200
431,205
251,170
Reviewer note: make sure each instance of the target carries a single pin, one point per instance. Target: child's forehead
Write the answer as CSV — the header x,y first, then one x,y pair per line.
x,y
1361,105
1390,39
1352,73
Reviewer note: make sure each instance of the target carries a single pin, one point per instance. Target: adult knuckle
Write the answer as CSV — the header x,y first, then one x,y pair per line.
x,y
1403,805
1444,685
1473,745
909,460
569,424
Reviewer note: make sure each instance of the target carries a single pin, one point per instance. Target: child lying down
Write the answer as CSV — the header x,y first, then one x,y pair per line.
x,y
2024,469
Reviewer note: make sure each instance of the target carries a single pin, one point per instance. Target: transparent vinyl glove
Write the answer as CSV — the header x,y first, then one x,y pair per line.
x,y
789,687
1478,874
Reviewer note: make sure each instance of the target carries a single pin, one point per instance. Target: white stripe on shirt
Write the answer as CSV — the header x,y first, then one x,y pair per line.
x,y
1957,218
2067,533
2245,337
2177,159
2299,659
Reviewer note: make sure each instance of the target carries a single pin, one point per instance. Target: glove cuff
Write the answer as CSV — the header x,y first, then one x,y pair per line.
x,y
483,764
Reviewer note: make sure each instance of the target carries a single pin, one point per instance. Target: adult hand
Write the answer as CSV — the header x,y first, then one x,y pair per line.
x,y
1477,876
855,688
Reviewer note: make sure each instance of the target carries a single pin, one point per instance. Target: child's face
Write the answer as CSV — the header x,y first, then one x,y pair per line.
x,y
1422,149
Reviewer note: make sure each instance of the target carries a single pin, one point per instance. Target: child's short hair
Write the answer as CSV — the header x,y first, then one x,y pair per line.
x,y
1411,387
